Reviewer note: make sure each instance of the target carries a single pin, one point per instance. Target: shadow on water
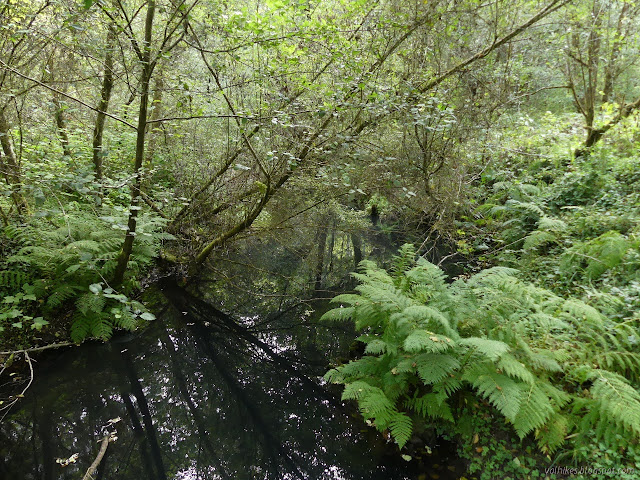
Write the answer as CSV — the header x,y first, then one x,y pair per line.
x,y
200,397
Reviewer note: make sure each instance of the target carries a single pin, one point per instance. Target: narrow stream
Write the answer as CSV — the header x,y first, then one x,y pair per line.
x,y
199,397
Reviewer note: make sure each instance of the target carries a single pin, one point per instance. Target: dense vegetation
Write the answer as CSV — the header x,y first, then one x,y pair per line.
x,y
500,138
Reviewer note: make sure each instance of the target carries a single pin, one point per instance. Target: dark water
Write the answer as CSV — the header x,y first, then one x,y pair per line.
x,y
199,397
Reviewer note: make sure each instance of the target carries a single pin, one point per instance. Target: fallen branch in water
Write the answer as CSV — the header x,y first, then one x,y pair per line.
x,y
103,449
7,407
39,349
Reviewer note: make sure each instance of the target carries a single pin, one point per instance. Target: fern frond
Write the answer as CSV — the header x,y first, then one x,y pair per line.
x,y
515,369
427,274
598,255
430,318
375,347
83,246
401,428
552,435
501,391
431,405
90,303
61,294
122,318
403,261
534,410
538,238
425,341
432,368
619,402
552,224
491,349
362,367
338,314
14,279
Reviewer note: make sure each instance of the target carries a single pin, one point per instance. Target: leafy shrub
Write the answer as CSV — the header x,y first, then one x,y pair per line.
x,y
549,366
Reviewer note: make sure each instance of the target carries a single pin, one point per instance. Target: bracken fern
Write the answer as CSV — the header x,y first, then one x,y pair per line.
x,y
548,365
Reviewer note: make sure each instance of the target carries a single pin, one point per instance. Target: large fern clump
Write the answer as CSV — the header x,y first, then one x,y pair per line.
x,y
65,264
552,367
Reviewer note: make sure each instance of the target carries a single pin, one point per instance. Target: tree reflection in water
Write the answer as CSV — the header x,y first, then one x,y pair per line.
x,y
200,397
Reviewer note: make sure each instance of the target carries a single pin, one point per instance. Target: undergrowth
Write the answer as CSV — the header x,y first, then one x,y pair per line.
x,y
59,267
553,367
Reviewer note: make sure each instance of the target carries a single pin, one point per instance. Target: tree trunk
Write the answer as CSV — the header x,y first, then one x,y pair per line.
x,y
61,124
596,134
103,105
322,242
611,65
10,165
156,113
147,71
357,249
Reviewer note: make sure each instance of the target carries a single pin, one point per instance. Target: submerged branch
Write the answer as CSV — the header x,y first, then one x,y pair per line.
x,y
39,349
103,449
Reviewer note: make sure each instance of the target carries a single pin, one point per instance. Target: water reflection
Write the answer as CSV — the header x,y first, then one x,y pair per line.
x,y
200,397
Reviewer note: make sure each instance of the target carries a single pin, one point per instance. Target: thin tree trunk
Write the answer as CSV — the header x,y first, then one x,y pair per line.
x,y
103,450
156,113
61,124
596,134
610,68
57,100
357,249
322,244
11,167
147,71
103,105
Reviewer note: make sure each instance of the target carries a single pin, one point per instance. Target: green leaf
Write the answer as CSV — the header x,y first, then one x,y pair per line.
x,y
95,288
148,316
73,268
38,323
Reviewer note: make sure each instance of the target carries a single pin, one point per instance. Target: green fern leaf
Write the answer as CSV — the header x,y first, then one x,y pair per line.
x,y
503,392
432,367
338,314
515,369
401,428
491,349
535,409
552,435
425,341
619,402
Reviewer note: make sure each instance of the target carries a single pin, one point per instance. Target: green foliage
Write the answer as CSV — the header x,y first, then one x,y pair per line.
x,y
595,257
547,365
66,264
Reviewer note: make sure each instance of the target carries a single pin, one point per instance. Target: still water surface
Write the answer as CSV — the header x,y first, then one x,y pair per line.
x,y
199,397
